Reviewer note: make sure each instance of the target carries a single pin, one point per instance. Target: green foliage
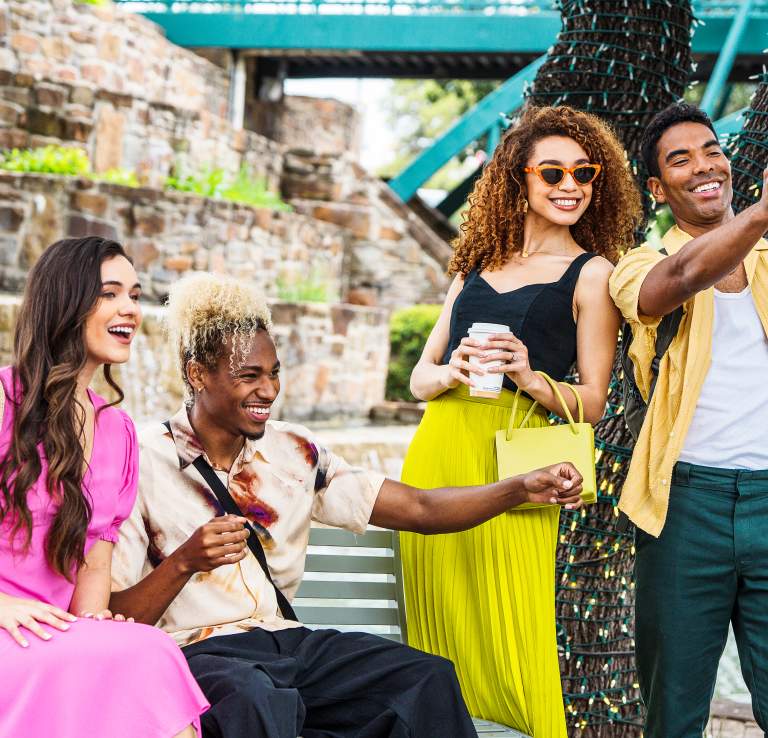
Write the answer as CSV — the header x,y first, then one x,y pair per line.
x,y
314,288
206,182
408,332
739,95
660,222
125,177
47,160
250,191
213,182
420,111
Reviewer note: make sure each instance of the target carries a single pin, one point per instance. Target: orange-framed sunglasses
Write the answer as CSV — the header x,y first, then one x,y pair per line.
x,y
552,174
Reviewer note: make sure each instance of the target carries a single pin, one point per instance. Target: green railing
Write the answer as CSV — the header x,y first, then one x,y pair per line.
x,y
702,8
341,7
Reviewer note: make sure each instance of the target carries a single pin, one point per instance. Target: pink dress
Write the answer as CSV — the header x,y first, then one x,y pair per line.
x,y
99,678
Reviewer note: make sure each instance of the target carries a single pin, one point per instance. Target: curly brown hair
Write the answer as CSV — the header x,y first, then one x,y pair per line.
x,y
493,224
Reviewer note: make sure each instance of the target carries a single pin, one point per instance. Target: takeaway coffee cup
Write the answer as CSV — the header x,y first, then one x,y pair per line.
x,y
486,385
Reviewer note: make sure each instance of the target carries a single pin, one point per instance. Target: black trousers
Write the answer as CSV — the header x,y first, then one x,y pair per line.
x,y
325,684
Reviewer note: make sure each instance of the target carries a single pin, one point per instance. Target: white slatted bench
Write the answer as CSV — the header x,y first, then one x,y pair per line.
x,y
355,583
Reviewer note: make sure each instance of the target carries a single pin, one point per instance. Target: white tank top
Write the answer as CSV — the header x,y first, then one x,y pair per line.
x,y
731,416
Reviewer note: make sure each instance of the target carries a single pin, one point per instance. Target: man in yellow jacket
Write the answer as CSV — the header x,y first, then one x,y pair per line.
x,y
697,487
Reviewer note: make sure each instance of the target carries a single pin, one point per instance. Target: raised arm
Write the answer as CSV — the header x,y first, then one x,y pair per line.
x,y
451,509
704,260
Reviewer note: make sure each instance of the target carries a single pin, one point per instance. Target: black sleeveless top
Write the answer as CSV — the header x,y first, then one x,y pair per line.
x,y
540,315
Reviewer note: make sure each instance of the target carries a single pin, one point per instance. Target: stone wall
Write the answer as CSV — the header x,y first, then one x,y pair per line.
x,y
108,81
365,247
332,360
167,234
394,259
318,125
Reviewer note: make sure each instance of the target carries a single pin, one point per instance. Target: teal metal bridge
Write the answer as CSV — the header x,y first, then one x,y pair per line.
x,y
411,38
495,39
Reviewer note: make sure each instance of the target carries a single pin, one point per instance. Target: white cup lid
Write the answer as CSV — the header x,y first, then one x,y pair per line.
x,y
488,328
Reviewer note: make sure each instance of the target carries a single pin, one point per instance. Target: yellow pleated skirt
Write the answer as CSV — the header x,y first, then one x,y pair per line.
x,y
485,598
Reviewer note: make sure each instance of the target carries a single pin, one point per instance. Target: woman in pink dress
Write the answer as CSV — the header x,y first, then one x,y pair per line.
x,y
68,475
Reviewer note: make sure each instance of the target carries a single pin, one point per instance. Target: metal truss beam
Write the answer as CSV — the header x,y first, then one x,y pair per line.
x,y
470,127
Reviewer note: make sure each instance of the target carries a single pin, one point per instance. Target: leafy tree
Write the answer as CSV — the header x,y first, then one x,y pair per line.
x,y
420,111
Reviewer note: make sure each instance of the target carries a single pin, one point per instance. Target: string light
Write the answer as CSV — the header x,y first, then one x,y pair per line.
x,y
623,60
749,149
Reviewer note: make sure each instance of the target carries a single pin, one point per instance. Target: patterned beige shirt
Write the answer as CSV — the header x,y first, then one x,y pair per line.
x,y
281,482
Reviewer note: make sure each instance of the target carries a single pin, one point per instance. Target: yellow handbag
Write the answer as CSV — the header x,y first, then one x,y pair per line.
x,y
520,449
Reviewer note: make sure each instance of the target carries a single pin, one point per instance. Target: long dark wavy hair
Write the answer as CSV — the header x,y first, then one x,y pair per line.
x,y
49,347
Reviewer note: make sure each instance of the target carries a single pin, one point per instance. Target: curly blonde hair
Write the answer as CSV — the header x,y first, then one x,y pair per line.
x,y
493,224
205,311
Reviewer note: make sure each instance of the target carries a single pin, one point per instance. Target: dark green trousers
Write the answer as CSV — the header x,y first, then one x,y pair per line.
x,y
708,568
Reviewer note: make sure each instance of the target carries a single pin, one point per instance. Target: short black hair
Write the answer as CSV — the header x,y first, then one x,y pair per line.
x,y
676,113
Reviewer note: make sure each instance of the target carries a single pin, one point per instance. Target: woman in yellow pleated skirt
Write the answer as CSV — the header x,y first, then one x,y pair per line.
x,y
484,598
545,221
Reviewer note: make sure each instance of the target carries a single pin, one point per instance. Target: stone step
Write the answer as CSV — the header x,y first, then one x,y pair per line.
x,y
732,720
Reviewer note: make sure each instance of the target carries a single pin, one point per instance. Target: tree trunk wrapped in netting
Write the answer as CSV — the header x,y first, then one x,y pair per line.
x,y
749,149
624,61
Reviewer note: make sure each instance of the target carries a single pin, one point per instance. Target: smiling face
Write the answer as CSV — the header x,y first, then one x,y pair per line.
x,y
240,402
695,176
114,320
565,202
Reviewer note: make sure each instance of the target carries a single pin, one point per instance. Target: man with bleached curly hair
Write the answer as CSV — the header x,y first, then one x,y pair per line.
x,y
185,565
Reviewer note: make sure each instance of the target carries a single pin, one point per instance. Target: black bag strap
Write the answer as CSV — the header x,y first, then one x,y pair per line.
x,y
665,334
230,506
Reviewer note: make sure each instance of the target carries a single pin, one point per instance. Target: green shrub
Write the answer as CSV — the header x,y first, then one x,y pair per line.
x,y
313,288
125,177
251,191
47,160
206,182
213,183
408,332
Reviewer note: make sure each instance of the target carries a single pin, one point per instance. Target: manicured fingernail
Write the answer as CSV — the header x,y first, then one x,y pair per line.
x,y
569,507
47,636
553,500
567,484
87,614
71,618
65,627
24,644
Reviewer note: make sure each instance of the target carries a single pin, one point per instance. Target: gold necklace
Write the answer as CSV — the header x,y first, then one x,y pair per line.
x,y
526,253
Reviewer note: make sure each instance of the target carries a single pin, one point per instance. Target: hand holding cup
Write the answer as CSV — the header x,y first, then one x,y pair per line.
x,y
510,355
459,365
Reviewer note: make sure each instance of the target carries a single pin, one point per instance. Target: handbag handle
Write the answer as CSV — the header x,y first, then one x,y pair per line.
x,y
566,410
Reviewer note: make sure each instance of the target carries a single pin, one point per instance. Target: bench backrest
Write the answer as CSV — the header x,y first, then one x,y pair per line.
x,y
353,582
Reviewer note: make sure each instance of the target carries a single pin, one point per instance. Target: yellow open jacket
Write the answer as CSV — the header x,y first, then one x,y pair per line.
x,y
645,495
